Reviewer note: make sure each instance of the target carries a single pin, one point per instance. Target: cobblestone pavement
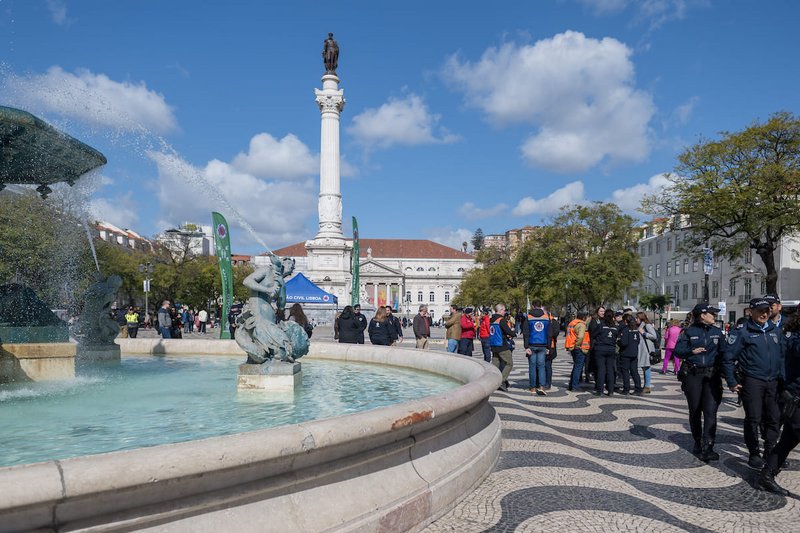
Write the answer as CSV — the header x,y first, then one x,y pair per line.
x,y
574,462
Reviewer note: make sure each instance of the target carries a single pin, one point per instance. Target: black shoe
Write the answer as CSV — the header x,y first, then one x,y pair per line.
x,y
507,384
697,449
766,481
709,454
755,461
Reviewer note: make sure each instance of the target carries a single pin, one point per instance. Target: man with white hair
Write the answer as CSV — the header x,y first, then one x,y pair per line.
x,y
500,333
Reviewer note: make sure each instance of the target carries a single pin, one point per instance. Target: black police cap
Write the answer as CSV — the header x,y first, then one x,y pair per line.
x,y
760,303
704,308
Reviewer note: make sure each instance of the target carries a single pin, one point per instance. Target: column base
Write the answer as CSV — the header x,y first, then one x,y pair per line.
x,y
270,376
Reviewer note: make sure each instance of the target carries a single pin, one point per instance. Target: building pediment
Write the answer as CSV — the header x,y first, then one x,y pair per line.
x,y
373,267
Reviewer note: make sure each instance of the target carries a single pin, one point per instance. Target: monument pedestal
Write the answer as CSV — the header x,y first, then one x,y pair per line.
x,y
270,376
37,361
99,354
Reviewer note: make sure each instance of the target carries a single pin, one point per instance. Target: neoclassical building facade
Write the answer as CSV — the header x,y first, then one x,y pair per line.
x,y
403,273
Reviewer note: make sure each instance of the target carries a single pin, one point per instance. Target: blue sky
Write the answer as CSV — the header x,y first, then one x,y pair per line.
x,y
459,115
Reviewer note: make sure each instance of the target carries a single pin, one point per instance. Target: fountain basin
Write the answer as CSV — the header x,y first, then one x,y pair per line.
x,y
394,468
44,361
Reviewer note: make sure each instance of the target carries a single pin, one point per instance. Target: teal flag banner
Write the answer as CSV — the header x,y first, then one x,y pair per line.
x,y
222,240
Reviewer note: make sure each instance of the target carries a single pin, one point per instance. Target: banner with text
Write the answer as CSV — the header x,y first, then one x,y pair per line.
x,y
222,241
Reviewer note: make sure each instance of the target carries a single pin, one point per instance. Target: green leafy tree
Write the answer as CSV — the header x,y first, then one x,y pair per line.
x,y
738,192
657,303
43,248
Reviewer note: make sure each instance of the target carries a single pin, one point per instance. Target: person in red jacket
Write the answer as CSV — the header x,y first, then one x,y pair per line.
x,y
483,333
466,343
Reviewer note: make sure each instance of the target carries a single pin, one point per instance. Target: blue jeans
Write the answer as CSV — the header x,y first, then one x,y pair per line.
x,y
487,350
165,333
452,345
536,366
647,372
577,368
548,373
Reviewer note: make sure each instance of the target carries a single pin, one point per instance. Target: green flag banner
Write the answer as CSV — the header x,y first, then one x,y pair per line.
x,y
222,241
355,264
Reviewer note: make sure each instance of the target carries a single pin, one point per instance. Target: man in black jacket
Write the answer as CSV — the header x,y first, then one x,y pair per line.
x,y
362,320
759,350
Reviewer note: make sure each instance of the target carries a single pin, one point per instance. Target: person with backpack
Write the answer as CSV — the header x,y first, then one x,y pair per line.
x,y
536,340
501,336
604,345
650,342
629,341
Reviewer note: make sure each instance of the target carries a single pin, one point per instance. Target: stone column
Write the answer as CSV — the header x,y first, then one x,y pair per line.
x,y
331,103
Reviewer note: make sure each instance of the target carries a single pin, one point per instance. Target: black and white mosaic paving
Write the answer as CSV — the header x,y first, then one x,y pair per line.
x,y
575,462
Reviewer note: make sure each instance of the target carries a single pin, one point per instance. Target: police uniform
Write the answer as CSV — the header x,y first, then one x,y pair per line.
x,y
701,381
759,352
790,436
132,321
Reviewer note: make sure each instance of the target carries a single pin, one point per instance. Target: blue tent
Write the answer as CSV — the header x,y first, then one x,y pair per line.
x,y
299,289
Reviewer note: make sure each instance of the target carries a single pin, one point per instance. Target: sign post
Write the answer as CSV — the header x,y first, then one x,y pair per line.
x,y
222,240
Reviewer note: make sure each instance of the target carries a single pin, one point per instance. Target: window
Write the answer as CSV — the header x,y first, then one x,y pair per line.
x,y
460,270
658,247
447,296
748,256
748,286
677,242
732,287
408,296
649,248
650,270
420,269
669,268
641,250
669,245
686,266
658,270
409,269
695,264
431,269
763,286
419,296
431,297
685,291
676,292
694,290
715,289
667,290
677,267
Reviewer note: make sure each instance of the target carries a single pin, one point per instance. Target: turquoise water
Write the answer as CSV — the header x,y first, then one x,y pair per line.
x,y
157,400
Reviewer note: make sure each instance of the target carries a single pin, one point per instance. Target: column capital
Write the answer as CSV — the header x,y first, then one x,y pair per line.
x,y
330,101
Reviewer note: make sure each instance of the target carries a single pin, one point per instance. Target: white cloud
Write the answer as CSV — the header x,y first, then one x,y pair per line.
x,y
569,195
629,200
283,159
93,98
121,211
684,111
450,237
472,211
652,13
579,92
277,210
58,11
404,121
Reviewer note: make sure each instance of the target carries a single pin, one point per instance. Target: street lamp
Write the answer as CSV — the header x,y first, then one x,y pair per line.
x,y
146,269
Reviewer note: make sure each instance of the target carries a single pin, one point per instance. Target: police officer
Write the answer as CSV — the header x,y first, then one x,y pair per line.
x,y
132,321
759,351
700,352
775,308
791,410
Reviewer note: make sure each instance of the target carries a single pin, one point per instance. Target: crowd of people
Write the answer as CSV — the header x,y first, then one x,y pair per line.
x,y
614,352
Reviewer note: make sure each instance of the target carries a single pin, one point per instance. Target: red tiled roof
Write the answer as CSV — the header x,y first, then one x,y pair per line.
x,y
390,248
237,257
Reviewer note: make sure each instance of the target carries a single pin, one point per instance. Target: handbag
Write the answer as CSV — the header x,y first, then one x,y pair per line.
x,y
655,357
552,353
